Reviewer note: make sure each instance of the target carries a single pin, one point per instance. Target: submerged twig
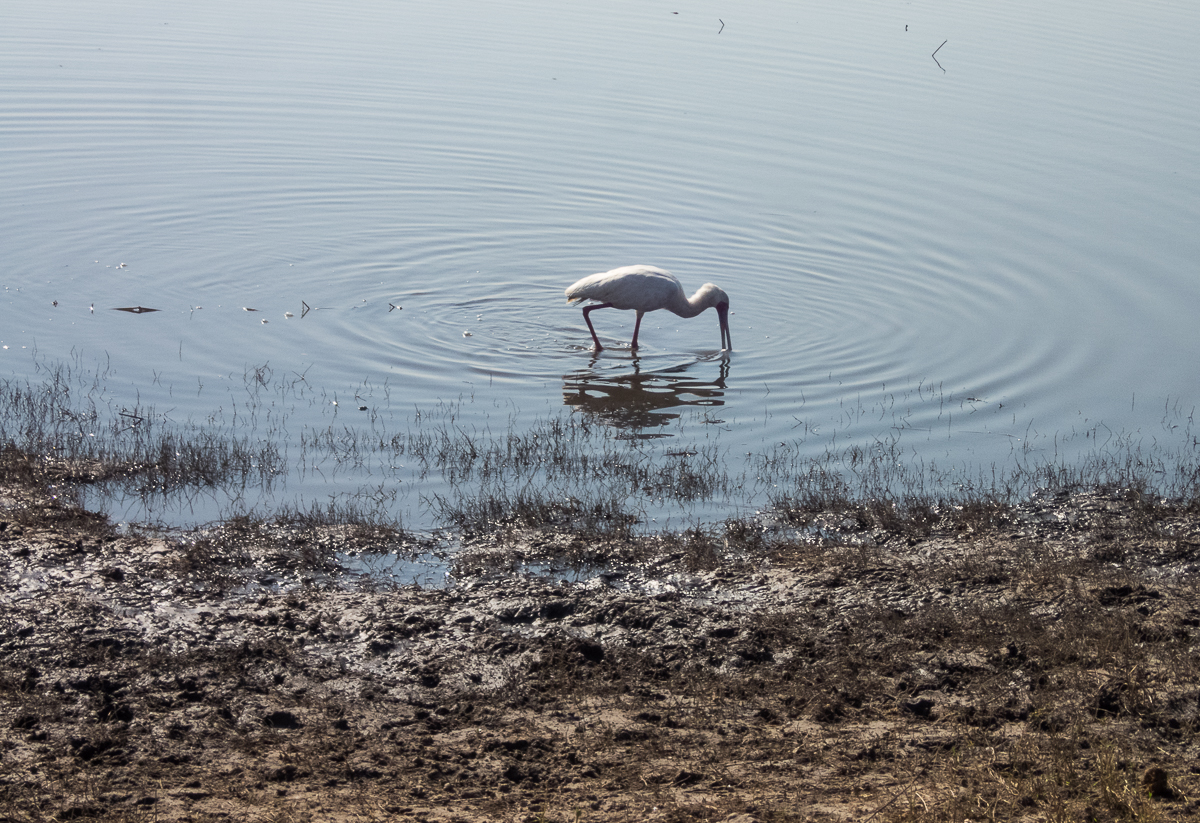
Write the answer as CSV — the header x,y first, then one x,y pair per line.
x,y
136,418
934,55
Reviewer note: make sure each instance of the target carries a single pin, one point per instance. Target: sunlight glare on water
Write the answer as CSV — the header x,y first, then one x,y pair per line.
x,y
993,248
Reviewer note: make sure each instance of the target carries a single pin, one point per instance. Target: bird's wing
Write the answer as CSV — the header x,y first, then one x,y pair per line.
x,y
644,288
585,288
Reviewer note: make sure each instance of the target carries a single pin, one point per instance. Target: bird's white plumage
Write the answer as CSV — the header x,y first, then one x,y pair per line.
x,y
637,288
643,289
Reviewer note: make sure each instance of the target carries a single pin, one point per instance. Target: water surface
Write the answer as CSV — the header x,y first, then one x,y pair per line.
x,y
980,256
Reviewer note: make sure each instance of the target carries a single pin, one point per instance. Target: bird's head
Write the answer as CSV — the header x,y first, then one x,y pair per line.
x,y
717,298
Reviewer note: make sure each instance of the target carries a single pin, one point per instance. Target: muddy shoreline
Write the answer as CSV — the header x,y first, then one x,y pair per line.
x,y
1037,662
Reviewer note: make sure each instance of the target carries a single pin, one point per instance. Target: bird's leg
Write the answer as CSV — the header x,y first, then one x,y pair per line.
x,y
637,324
588,320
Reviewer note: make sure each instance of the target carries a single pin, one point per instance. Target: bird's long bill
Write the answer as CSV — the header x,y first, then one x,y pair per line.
x,y
723,316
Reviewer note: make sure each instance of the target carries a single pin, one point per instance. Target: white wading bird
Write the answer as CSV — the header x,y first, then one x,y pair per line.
x,y
643,289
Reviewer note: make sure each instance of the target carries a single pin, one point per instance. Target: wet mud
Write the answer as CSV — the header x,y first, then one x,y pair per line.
x,y
1036,663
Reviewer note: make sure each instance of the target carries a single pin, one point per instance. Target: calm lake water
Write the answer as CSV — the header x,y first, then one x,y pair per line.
x,y
979,257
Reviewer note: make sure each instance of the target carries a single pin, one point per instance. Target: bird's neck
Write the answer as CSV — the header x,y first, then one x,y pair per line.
x,y
689,306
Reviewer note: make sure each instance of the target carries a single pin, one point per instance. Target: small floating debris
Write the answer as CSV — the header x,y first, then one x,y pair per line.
x,y
136,309
288,314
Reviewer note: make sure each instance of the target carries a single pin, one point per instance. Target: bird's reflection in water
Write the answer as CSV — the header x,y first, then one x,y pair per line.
x,y
641,402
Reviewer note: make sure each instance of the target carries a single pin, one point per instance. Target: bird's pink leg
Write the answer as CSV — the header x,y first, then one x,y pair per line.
x,y
588,320
636,325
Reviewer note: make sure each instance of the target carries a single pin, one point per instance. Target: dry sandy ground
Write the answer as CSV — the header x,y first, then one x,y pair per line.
x,y
1036,663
